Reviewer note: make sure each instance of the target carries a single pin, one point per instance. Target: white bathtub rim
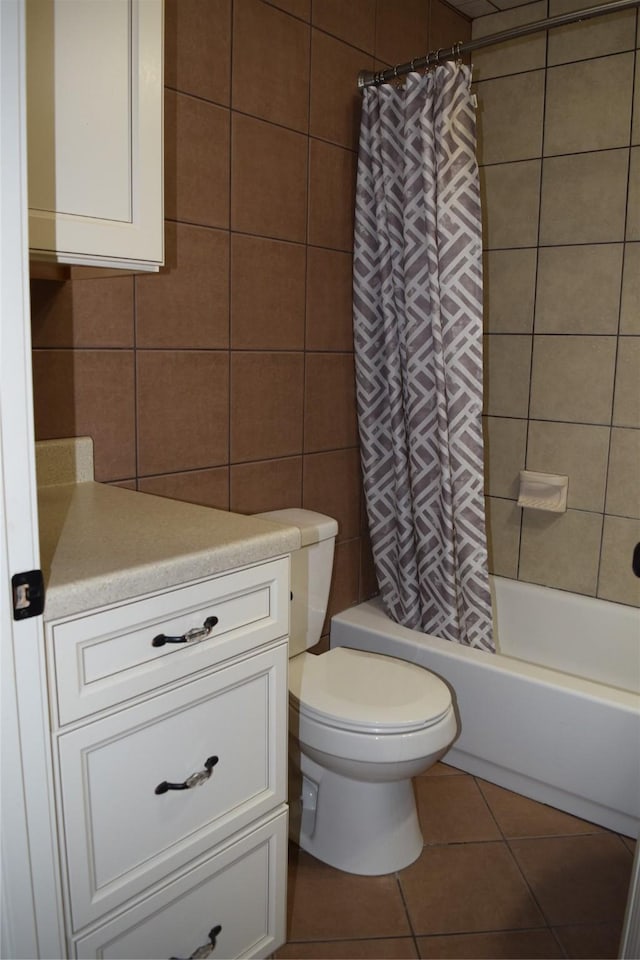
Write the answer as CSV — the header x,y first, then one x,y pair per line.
x,y
371,615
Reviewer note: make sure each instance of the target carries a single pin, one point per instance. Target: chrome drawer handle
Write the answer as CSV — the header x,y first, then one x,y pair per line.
x,y
207,948
191,636
195,780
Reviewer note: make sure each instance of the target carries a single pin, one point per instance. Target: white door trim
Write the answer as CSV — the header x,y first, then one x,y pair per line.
x,y
31,905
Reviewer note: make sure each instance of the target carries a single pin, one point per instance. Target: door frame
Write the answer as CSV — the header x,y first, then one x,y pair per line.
x,y
30,886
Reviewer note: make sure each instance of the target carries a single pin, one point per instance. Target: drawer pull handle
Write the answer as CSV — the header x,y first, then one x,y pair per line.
x,y
191,636
207,948
195,780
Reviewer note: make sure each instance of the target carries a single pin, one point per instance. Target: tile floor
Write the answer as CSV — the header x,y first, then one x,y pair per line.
x,y
500,876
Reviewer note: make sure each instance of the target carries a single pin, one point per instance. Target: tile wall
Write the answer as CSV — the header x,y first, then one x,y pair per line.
x,y
559,124
227,379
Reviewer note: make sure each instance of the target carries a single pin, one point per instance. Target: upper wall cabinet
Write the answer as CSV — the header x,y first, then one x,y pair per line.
x,y
94,129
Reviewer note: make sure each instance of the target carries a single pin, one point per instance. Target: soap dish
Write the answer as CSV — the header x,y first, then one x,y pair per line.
x,y
543,491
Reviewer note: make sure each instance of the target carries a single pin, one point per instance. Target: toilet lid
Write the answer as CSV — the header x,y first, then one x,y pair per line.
x,y
360,691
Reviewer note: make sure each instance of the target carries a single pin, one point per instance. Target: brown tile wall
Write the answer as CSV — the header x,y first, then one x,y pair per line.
x,y
227,378
560,153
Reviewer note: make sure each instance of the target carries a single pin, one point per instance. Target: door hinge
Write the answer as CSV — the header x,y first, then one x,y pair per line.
x,y
28,594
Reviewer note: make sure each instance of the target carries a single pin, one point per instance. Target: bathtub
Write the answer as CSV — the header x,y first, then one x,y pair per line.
x,y
555,714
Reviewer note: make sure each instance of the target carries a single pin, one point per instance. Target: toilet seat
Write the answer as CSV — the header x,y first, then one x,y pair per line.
x,y
364,692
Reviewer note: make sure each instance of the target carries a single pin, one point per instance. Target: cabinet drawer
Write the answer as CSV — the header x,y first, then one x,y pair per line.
x,y
242,889
122,836
107,657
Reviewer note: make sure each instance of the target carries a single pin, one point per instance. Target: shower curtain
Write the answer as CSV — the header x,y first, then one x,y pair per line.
x,y
418,343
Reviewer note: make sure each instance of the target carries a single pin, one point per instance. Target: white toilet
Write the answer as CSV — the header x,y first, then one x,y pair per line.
x,y
361,725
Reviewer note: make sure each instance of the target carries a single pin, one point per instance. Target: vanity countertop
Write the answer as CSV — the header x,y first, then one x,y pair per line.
x,y
101,544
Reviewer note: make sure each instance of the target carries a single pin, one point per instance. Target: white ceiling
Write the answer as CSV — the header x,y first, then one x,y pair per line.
x,y
478,8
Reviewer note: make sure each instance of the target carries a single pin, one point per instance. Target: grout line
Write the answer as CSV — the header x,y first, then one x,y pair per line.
x,y
412,933
554,934
552,246
521,531
136,446
527,884
506,333
569,423
554,156
303,409
230,268
478,782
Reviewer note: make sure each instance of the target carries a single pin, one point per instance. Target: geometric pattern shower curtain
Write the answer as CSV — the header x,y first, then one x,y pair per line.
x,y
418,343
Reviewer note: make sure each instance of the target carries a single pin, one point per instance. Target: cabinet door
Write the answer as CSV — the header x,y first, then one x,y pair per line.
x,y
122,832
241,889
94,129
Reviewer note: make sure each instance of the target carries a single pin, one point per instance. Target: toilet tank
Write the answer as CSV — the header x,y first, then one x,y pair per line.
x,y
311,568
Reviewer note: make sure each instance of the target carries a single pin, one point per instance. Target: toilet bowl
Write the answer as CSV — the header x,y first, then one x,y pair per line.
x,y
361,726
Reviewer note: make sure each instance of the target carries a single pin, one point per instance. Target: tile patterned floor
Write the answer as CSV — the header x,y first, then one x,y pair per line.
x,y
500,876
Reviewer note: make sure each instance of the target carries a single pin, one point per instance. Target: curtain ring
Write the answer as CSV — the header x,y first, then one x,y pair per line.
x,y
458,55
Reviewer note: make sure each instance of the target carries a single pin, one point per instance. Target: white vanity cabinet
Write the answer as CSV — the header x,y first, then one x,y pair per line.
x,y
170,764
95,132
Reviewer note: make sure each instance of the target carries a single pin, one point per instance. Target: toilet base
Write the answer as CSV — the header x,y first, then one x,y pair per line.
x,y
354,825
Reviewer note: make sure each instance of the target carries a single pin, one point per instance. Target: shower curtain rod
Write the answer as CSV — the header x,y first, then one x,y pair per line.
x,y
366,78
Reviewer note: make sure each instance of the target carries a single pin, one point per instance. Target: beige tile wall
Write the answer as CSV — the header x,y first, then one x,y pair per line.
x,y
559,136
227,379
